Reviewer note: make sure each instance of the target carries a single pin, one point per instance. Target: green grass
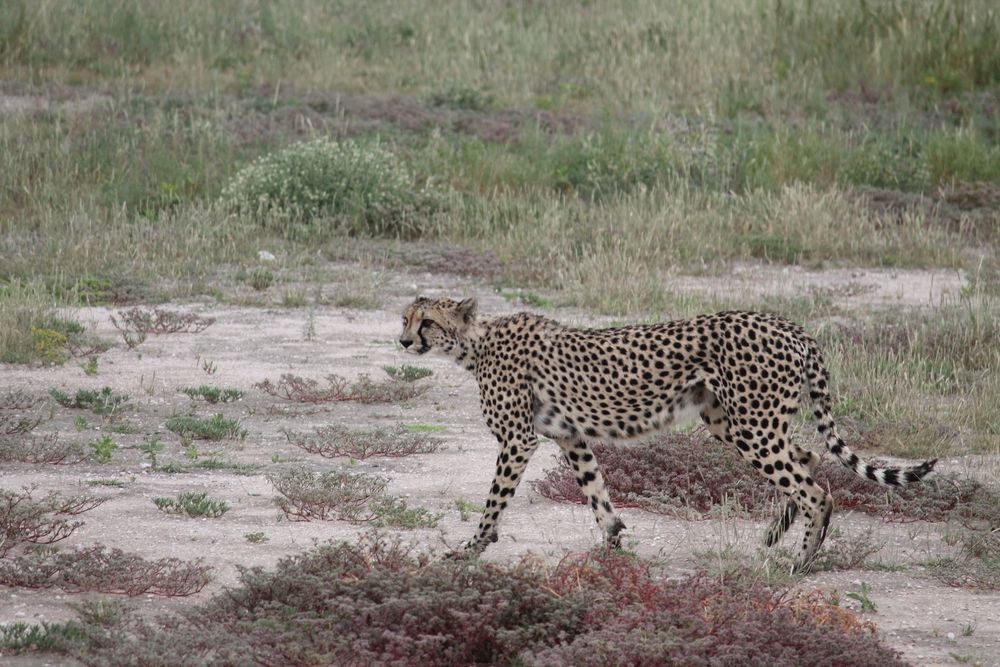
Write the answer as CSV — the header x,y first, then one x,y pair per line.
x,y
593,150
217,427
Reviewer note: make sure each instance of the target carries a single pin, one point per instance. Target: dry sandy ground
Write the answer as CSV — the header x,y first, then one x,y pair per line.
x,y
919,616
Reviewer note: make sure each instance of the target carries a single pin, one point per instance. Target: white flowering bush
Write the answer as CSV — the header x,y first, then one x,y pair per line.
x,y
360,183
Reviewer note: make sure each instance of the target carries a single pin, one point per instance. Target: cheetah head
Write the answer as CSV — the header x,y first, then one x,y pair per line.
x,y
436,324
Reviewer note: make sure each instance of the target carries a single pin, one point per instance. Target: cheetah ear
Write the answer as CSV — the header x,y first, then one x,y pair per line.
x,y
466,309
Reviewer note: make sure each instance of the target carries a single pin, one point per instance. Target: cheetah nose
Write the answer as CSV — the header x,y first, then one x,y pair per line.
x,y
405,343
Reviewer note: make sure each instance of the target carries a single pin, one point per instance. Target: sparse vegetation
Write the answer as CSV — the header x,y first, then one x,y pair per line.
x,y
193,505
337,441
458,613
217,427
338,388
256,537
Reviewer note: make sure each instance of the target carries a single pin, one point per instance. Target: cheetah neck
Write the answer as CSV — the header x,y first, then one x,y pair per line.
x,y
465,346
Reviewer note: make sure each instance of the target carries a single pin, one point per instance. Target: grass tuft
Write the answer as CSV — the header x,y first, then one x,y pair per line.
x,y
193,505
103,402
217,427
213,395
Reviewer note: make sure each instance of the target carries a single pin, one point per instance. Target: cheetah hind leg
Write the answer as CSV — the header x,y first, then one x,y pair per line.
x,y
790,510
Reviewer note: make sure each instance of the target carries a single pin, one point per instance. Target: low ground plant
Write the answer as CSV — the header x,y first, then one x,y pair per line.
x,y
342,496
338,388
407,373
689,475
103,449
339,441
19,637
379,603
213,395
103,402
192,504
102,570
31,519
217,427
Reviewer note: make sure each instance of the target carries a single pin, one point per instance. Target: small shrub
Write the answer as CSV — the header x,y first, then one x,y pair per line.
x,y
142,322
213,395
407,373
48,449
340,496
90,368
50,346
103,402
364,390
192,504
216,428
256,537
334,441
861,596
104,449
28,520
461,97
102,570
361,182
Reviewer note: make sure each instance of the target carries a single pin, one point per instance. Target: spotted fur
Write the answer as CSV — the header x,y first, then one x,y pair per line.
x,y
745,373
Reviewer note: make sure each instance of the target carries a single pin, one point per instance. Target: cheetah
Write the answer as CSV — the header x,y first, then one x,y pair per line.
x,y
744,373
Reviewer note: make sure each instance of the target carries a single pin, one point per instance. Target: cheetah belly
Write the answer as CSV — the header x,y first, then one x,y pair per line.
x,y
575,414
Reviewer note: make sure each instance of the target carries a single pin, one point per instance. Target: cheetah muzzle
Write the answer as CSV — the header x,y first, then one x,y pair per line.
x,y
745,373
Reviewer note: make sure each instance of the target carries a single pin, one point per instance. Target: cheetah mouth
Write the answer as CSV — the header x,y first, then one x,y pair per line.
x,y
424,349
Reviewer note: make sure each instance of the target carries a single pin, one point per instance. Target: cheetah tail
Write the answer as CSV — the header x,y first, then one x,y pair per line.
x,y
816,380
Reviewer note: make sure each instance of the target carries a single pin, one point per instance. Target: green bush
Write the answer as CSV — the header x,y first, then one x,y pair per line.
x,y
362,183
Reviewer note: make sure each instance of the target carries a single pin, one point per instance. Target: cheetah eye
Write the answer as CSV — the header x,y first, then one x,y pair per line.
x,y
426,323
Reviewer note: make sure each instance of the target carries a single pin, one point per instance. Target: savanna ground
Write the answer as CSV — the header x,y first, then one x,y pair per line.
x,y
606,163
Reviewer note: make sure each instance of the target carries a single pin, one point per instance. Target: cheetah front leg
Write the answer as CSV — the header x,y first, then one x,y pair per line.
x,y
580,456
515,433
